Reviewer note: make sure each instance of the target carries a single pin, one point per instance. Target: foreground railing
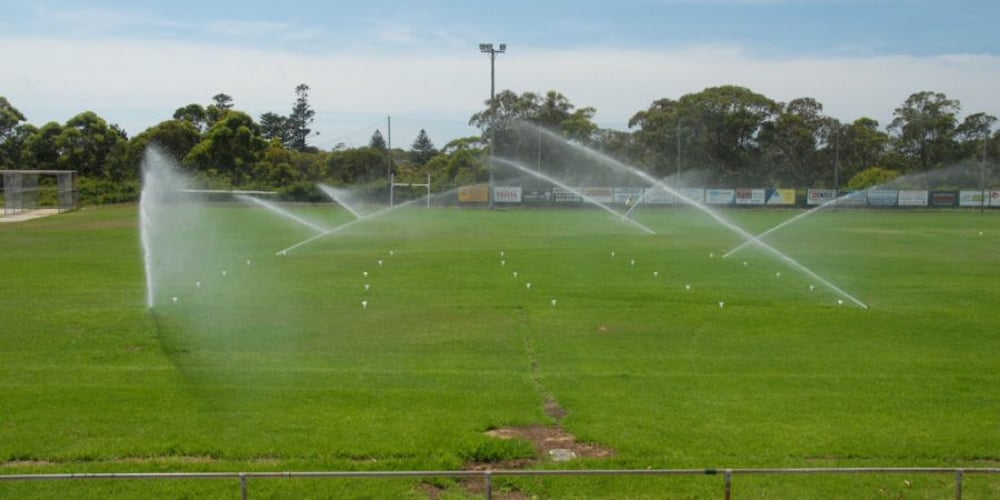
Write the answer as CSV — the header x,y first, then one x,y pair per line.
x,y
488,475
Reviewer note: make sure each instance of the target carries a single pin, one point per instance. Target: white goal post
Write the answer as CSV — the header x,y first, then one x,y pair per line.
x,y
393,185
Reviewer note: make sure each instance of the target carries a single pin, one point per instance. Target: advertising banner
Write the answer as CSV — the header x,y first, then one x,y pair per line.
x,y
535,196
780,197
507,194
971,198
853,199
750,196
912,198
719,196
820,196
561,195
480,193
995,198
599,194
696,195
656,195
883,197
623,194
944,198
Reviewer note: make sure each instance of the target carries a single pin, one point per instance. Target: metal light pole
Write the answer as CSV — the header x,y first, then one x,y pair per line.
x,y
487,48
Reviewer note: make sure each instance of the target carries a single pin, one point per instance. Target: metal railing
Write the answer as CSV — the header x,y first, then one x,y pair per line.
x,y
488,475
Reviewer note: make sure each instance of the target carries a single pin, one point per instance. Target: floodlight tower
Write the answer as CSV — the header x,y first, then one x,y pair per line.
x,y
487,48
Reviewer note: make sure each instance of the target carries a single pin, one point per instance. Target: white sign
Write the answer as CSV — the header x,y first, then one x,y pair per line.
x,y
599,194
883,197
696,195
719,196
913,198
657,195
995,198
971,198
507,194
820,196
750,196
623,194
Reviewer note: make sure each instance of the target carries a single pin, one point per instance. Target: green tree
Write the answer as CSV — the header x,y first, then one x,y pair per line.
x,y
974,133
10,118
300,119
923,129
85,144
422,149
12,148
871,177
860,145
357,165
194,114
792,143
216,111
377,141
176,137
230,149
275,126
41,151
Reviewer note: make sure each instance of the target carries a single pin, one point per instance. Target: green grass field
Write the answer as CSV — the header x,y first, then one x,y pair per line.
x,y
277,366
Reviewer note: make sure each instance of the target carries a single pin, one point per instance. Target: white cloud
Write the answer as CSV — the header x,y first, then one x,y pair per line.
x,y
139,83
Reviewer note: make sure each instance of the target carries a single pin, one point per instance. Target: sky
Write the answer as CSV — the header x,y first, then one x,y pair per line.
x,y
418,64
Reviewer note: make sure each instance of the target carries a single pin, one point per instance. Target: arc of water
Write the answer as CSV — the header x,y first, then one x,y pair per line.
x,y
781,225
346,225
332,193
577,192
711,213
280,211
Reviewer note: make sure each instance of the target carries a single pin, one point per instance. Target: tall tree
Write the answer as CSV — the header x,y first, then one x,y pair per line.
x,y
377,141
41,150
231,149
300,119
10,118
793,141
194,114
222,103
86,142
923,129
422,149
860,146
274,126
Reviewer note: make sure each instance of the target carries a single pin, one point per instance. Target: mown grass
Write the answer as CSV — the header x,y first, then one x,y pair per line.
x,y
277,366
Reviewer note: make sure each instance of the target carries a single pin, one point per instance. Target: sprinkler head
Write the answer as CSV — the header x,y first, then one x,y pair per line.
x,y
503,263
174,299
745,263
840,302
364,304
722,304
656,273
777,275
515,274
687,287
224,272
501,253
631,262
553,302
528,286
197,284
392,252
980,233
612,253
283,253
380,263
812,287
711,255
248,262
365,273
367,286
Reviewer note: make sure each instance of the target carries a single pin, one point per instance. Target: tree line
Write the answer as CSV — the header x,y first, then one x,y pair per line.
x,y
730,135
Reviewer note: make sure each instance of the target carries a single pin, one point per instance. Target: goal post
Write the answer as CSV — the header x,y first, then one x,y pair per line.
x,y
23,193
393,185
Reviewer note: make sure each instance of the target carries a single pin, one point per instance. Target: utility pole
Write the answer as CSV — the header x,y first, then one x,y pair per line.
x,y
487,48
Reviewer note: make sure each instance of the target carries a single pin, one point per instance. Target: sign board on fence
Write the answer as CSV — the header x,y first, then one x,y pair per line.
x,y
719,196
623,194
820,196
750,196
971,198
883,197
995,198
780,197
562,195
944,198
507,194
912,198
696,195
535,195
599,194
657,195
480,193
853,199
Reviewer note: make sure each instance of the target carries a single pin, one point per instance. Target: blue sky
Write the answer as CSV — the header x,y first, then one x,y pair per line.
x,y
134,62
